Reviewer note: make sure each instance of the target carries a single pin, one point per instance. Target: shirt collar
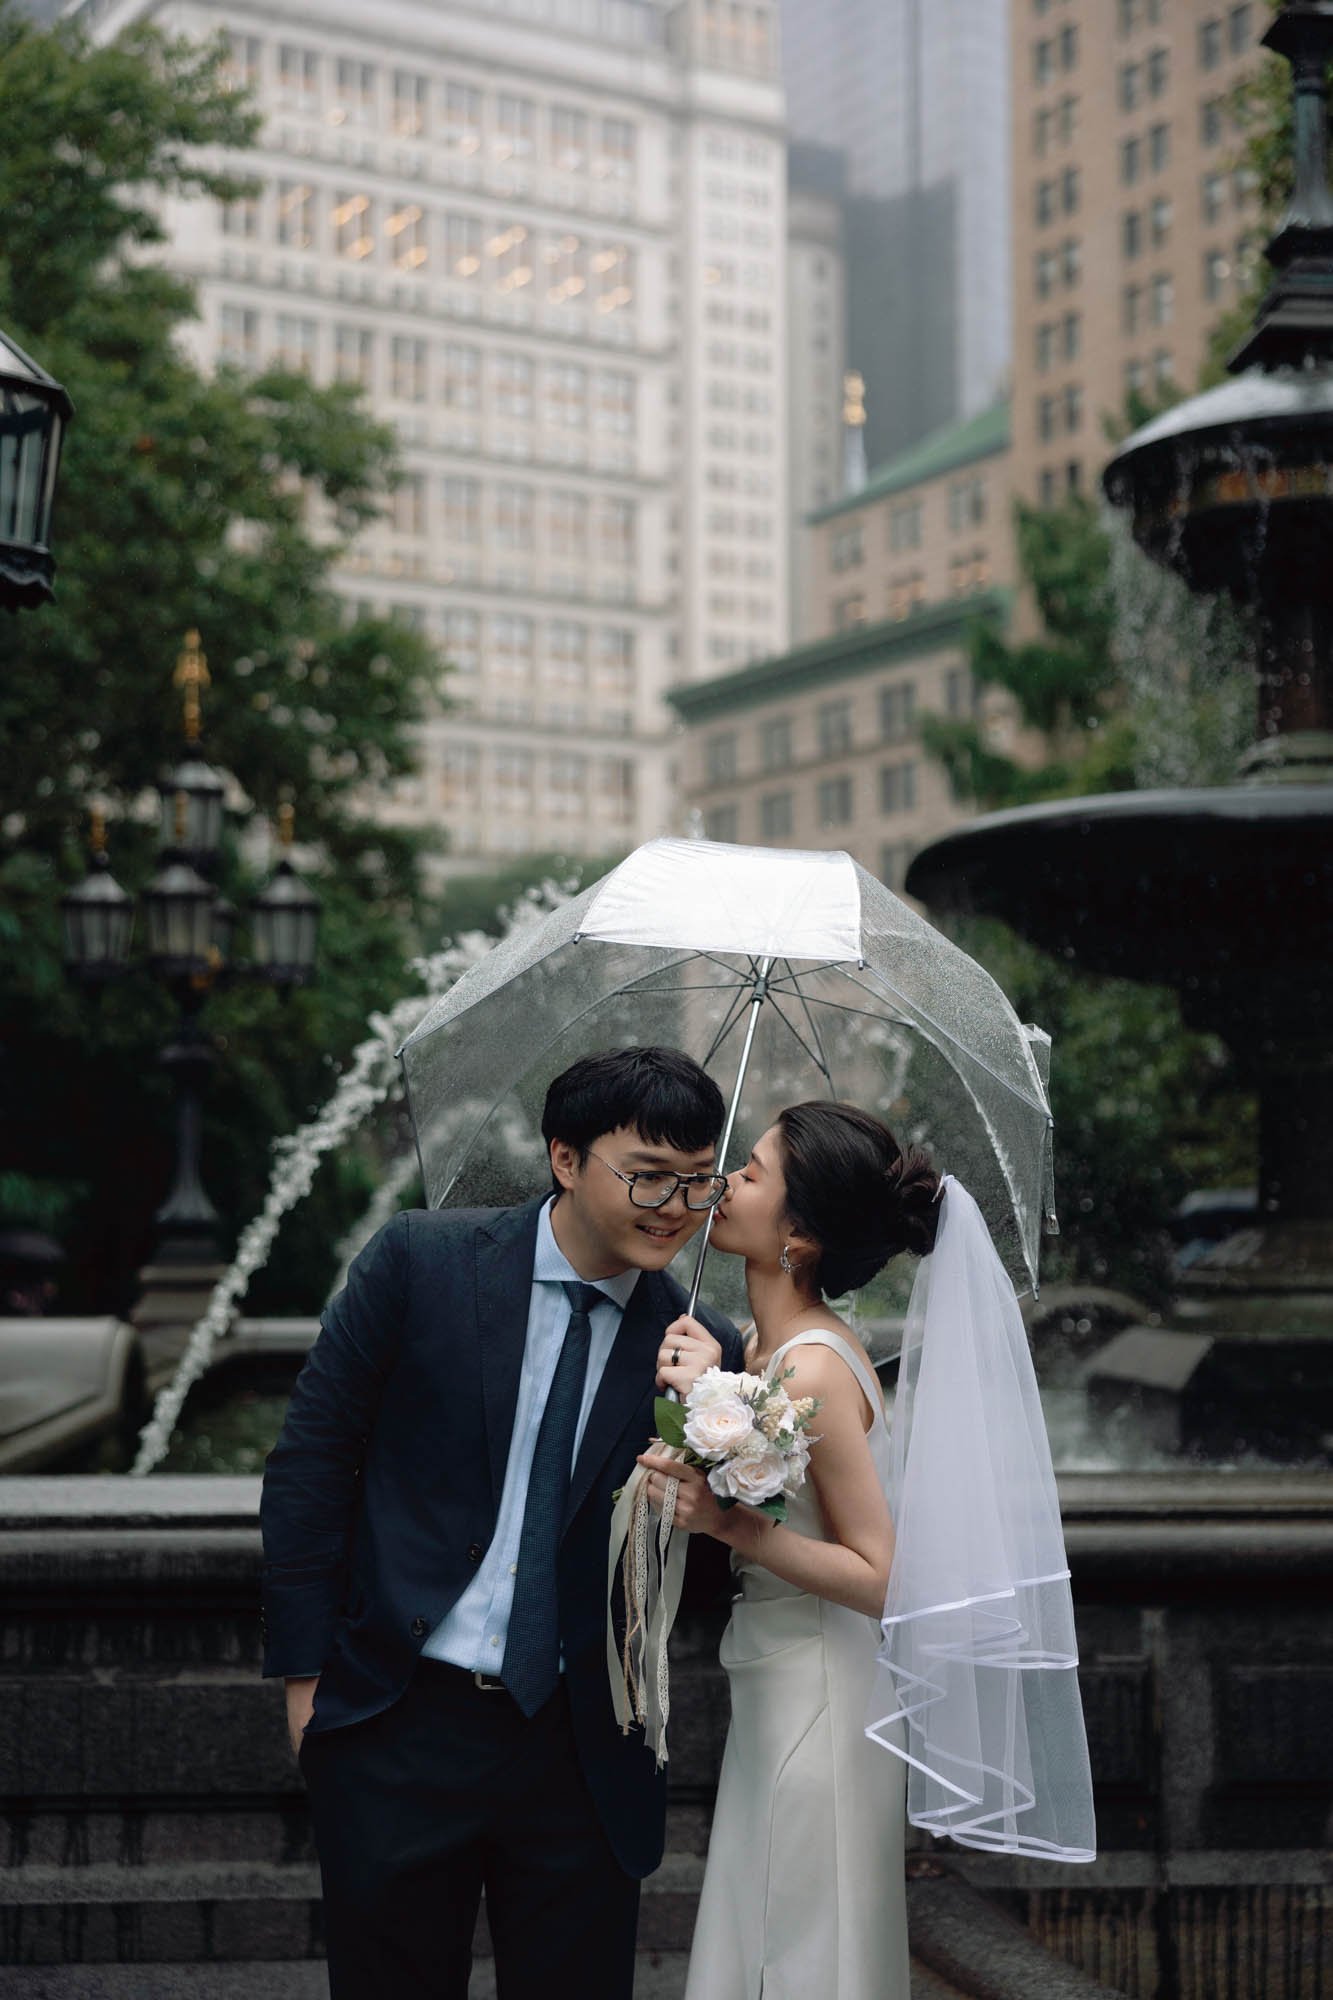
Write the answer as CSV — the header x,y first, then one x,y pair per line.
x,y
550,1266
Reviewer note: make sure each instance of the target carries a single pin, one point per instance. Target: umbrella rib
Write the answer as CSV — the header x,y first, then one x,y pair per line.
x,y
815,1035
790,978
799,1038
730,1019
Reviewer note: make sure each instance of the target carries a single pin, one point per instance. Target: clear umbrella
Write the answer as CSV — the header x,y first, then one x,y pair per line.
x,y
786,975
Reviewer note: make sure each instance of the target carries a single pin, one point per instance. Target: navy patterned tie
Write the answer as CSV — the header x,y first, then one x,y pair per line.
x,y
532,1649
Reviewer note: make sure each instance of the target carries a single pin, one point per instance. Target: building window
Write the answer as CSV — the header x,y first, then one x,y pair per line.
x,y
897,787
1072,331
775,743
1239,30
515,519
1070,189
897,711
617,790
408,505
1130,86
462,643
905,594
462,119
1159,146
1216,271
295,343
1045,346
1044,202
1073,406
1163,299
567,528
354,226
617,533
354,95
513,649
462,377
616,150
1068,117
1160,221
1073,478
1127,17
613,277
354,354
905,526
515,127
1212,192
1133,378
1043,60
846,547
566,396
569,140
298,77
614,404
1163,369
1047,266
1046,488
405,228
1041,130
567,784
1159,71
775,816
1210,43
615,661
462,246
849,611
834,728
1131,308
296,215
1046,418
242,69
1212,116
1071,260
895,858
239,218
238,336
959,692
967,504
514,390
722,823
720,757
567,656
410,97
408,369
1131,160
1068,46
834,801
462,509
1131,233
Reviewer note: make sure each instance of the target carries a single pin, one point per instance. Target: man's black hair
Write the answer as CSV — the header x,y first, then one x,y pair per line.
x,y
661,1093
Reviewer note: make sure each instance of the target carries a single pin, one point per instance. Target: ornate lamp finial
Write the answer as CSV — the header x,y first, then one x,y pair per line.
x,y
192,676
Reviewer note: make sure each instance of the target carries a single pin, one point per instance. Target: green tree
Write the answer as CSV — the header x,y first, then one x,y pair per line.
x,y
220,502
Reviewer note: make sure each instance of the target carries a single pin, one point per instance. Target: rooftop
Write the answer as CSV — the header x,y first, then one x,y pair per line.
x,y
861,650
944,450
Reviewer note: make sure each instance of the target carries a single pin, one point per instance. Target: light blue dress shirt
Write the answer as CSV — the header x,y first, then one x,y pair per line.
x,y
473,1633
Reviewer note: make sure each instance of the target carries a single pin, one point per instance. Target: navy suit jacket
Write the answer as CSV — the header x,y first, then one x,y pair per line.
x,y
381,1495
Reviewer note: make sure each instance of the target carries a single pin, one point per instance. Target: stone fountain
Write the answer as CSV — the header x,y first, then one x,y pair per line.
x,y
1226,893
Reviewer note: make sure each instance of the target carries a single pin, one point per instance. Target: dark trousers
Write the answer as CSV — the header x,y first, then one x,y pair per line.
x,y
450,1791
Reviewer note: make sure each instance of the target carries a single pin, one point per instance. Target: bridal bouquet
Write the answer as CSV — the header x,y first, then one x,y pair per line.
x,y
747,1433
751,1438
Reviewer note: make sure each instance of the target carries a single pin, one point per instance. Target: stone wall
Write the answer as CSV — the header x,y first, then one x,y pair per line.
x,y
154,1819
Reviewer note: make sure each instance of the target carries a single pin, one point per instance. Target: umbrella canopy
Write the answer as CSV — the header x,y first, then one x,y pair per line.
x,y
835,985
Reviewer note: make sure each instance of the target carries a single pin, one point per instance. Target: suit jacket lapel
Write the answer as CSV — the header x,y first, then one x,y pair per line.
x,y
629,1376
504,1254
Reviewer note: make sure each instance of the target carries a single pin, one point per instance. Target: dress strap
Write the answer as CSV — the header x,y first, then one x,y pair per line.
x,y
826,1337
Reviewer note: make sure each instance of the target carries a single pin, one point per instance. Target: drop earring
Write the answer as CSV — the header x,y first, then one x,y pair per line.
x,y
786,1262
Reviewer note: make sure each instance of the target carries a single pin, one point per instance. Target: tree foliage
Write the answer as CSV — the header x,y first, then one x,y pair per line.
x,y
219,502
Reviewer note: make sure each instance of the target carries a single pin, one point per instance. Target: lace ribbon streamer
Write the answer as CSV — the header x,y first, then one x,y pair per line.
x,y
651,1573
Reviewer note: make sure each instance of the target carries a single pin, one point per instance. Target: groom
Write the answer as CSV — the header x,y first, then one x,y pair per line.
x,y
436,1517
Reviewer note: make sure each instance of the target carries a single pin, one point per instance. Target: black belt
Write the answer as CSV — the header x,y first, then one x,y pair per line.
x,y
488,1683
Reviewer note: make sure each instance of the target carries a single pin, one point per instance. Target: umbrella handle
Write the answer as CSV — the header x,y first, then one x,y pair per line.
x,y
756,1002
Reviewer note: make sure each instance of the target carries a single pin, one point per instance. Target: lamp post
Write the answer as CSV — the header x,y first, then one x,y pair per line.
x,y
189,929
34,411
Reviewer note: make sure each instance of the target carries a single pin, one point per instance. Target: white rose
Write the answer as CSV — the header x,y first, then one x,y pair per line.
x,y
753,1477
715,1385
719,1426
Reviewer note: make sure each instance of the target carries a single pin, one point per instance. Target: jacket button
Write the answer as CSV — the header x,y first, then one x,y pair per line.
x,y
418,1628
475,1553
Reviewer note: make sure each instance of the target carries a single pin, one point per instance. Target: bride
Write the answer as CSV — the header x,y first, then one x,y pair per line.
x,y
804,1891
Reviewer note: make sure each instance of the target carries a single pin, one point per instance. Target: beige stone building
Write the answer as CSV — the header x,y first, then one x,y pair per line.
x,y
821,747
1133,218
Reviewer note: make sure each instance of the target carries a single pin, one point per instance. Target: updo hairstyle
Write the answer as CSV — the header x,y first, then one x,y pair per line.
x,y
852,1190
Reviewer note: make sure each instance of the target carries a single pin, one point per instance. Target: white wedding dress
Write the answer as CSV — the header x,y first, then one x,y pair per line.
x,y
803,1896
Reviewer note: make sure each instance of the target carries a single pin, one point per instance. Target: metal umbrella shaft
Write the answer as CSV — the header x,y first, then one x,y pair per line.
x,y
757,1000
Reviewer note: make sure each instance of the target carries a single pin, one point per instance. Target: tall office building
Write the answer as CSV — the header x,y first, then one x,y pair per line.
x,y
548,239
915,94
816,357
1134,219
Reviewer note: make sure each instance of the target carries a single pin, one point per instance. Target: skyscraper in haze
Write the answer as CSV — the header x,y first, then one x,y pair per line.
x,y
916,94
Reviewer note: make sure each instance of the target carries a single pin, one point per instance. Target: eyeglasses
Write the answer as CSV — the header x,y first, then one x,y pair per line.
x,y
655,1189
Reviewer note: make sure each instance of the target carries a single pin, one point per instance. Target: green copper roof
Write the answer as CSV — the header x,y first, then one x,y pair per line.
x,y
862,649
957,444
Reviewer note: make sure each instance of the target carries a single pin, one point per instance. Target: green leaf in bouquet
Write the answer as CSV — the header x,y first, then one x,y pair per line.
x,y
670,1420
776,1508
